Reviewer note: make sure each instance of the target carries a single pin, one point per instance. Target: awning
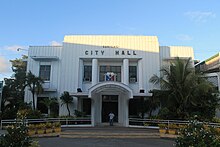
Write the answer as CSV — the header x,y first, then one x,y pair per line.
x,y
79,94
47,58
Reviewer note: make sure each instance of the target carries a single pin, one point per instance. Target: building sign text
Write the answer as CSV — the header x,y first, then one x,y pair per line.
x,y
102,52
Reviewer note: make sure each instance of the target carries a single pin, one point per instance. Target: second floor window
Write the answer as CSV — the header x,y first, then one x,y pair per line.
x,y
45,72
87,73
110,73
132,74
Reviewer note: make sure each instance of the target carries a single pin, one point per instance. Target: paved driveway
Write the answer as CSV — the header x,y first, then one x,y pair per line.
x,y
104,142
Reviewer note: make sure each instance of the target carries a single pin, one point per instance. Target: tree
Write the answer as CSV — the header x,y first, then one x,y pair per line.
x,y
67,100
17,82
34,84
13,90
48,102
185,92
152,103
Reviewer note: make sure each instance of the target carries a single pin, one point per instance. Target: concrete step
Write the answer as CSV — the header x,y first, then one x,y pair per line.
x,y
109,132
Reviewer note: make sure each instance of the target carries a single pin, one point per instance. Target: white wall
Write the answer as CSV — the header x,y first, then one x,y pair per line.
x,y
65,74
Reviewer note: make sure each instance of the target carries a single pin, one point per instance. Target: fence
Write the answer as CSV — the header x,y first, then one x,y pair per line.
x,y
72,122
153,123
65,122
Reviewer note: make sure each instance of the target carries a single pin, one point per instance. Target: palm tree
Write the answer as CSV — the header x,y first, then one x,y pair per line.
x,y
152,103
48,102
182,87
66,99
34,84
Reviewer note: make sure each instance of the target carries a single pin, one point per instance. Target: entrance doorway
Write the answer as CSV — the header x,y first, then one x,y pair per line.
x,y
109,104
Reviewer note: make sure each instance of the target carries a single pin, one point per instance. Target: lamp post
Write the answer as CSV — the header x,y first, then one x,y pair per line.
x,y
21,49
1,89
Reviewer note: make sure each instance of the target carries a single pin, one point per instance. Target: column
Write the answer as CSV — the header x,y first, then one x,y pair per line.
x,y
94,71
80,78
93,112
125,71
140,74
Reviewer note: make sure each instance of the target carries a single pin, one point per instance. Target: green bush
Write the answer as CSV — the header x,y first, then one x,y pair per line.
x,y
164,113
9,113
57,124
197,134
17,136
79,113
48,125
34,114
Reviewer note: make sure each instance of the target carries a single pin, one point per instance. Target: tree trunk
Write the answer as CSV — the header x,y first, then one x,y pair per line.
x,y
48,111
67,106
33,93
150,113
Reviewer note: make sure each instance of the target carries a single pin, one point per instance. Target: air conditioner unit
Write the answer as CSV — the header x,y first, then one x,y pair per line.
x,y
87,79
132,80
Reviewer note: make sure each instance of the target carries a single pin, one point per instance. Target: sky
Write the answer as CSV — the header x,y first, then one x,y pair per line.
x,y
26,23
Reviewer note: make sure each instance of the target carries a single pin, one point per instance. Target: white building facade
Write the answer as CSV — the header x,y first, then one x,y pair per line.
x,y
103,73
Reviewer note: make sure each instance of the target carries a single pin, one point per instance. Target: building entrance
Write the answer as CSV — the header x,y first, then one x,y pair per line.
x,y
109,104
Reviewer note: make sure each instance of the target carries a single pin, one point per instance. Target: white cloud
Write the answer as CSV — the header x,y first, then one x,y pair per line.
x,y
184,37
55,43
199,16
14,47
4,65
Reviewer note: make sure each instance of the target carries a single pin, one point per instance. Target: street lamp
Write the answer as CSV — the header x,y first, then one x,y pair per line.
x,y
19,49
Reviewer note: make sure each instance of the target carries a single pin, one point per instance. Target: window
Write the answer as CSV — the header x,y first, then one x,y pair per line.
x,y
113,70
132,74
87,73
45,72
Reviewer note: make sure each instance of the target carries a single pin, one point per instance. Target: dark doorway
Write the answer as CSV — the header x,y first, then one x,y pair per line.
x,y
86,106
41,106
109,104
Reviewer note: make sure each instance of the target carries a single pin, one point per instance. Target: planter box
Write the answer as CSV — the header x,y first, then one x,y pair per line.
x,y
162,131
57,130
31,132
40,131
49,130
172,131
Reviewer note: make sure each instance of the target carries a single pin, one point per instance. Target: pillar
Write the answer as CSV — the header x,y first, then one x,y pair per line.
x,y
140,74
94,72
80,75
126,71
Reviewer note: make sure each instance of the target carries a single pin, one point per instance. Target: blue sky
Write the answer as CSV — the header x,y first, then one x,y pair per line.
x,y
193,23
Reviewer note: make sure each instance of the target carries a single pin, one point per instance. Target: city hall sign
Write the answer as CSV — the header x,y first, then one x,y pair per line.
x,y
117,52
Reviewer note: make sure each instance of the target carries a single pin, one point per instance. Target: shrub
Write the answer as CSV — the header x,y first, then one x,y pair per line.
x,y
164,113
197,134
162,126
41,126
48,125
57,124
79,113
17,136
173,126
34,114
31,127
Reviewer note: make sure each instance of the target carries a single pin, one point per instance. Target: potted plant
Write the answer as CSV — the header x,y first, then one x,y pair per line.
x,y
57,127
41,128
48,127
162,128
31,129
172,129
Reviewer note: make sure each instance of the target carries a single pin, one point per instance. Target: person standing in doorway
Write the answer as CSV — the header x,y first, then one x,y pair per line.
x,y
111,118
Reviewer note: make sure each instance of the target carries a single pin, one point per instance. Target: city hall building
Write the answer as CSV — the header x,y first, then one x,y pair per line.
x,y
102,73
